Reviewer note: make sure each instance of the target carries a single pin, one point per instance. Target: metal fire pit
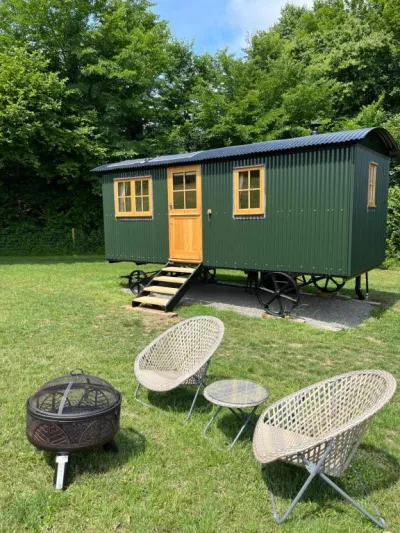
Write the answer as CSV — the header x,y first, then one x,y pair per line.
x,y
72,413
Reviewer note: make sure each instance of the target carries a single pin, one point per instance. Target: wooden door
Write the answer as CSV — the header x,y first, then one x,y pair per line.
x,y
184,214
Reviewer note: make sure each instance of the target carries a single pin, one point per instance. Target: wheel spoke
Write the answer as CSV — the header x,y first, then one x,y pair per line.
x,y
326,282
275,296
286,286
265,289
287,297
281,288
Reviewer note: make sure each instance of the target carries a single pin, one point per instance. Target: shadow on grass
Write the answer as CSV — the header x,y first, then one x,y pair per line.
x,y
179,400
378,469
229,425
98,461
389,299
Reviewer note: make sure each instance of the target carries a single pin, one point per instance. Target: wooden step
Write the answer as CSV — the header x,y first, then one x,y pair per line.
x,y
170,279
183,270
151,300
160,290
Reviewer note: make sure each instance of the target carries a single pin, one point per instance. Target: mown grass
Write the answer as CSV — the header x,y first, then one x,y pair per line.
x,y
60,314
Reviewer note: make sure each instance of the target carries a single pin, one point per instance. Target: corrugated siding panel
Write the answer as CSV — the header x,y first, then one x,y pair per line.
x,y
369,225
137,239
306,227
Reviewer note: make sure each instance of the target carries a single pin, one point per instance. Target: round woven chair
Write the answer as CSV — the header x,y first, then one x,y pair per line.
x,y
320,427
179,356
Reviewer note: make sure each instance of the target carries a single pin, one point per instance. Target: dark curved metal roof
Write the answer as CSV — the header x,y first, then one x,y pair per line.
x,y
265,147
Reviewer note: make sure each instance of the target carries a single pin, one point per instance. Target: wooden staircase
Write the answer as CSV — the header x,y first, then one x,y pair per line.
x,y
168,286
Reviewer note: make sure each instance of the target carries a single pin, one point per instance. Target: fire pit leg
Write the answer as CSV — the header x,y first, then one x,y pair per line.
x,y
110,446
60,475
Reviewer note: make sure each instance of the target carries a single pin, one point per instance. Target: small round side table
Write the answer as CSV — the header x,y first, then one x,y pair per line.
x,y
236,395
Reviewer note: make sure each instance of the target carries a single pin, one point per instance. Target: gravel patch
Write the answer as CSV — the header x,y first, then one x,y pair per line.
x,y
333,313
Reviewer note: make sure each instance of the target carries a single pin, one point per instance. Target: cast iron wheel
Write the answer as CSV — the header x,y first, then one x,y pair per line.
x,y
135,281
303,281
137,288
329,284
278,293
208,275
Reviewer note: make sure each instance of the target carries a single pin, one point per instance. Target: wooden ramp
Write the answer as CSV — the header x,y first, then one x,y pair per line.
x,y
168,286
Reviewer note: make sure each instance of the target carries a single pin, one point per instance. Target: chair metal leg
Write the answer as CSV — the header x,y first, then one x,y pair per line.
x,y
135,396
201,380
194,402
377,520
314,470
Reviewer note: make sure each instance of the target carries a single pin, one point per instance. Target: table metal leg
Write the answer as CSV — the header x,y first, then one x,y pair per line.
x,y
246,422
214,416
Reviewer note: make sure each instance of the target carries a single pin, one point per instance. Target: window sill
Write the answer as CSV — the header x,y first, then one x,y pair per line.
x,y
127,215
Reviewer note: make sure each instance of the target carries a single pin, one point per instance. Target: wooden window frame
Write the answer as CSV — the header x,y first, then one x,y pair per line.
x,y
196,169
250,211
133,213
373,169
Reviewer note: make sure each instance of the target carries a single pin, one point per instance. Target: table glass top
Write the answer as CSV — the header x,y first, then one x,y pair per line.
x,y
235,393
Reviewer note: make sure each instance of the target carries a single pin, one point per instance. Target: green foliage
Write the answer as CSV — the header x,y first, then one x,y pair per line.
x,y
394,222
88,81
25,240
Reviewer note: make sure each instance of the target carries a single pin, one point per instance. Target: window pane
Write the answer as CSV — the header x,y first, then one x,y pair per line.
x,y
138,203
121,205
243,180
121,189
138,187
254,179
191,200
146,203
128,204
254,199
177,182
127,188
243,200
190,180
145,187
179,200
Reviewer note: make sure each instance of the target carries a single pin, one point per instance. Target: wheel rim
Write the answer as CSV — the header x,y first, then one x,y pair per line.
x,y
278,293
303,281
329,284
135,281
137,288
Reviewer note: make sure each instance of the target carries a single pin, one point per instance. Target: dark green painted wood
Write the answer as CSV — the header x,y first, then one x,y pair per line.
x,y
306,225
143,240
369,224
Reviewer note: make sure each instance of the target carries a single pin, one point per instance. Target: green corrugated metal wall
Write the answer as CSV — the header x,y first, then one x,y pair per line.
x,y
305,228
314,222
369,224
140,239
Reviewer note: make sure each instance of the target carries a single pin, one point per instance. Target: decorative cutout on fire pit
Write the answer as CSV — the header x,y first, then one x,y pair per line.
x,y
74,412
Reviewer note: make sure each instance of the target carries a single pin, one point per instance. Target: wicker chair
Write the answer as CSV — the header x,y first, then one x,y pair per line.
x,y
179,356
320,427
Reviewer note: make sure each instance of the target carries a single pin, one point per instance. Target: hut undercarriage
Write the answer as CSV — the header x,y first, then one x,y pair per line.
x,y
278,293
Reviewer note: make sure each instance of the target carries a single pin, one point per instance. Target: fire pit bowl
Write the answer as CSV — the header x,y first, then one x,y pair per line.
x,y
72,413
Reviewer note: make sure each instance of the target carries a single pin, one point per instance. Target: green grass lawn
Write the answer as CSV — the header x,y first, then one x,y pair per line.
x,y
63,313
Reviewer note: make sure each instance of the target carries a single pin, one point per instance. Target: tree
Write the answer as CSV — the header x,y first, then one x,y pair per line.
x,y
44,147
